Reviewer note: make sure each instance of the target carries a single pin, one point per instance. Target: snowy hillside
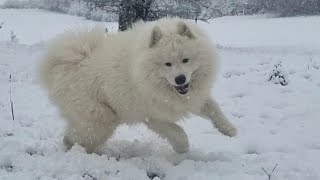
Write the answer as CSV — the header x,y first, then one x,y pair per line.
x,y
277,124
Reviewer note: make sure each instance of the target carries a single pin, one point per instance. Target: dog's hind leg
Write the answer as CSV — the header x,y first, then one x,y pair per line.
x,y
212,111
91,132
175,135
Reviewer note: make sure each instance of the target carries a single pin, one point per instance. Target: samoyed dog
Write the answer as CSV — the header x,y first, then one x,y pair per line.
x,y
156,73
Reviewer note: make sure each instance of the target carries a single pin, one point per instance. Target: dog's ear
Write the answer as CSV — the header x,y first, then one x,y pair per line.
x,y
184,30
155,36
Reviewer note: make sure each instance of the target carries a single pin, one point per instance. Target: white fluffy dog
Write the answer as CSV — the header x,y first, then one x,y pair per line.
x,y
155,73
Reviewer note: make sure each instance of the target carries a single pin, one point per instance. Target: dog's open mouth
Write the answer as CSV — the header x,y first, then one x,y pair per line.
x,y
182,89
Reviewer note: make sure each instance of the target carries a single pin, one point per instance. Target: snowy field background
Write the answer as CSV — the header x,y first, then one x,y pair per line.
x,y
277,124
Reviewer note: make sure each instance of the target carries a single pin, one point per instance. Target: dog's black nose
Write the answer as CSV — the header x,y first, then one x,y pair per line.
x,y
181,79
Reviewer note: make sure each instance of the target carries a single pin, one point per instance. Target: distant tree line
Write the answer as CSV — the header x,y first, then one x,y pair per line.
x,y
127,12
284,7
130,11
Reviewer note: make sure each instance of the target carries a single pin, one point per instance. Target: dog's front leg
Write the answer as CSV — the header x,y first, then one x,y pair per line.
x,y
175,135
212,111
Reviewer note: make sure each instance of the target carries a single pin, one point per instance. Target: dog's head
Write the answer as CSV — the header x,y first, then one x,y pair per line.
x,y
178,61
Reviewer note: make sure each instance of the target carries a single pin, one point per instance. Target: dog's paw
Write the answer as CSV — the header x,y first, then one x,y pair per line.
x,y
181,145
228,130
67,143
181,148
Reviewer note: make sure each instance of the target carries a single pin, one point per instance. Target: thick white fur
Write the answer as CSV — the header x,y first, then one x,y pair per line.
x,y
100,81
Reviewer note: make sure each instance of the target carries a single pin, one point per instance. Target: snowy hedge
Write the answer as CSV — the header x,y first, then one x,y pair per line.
x,y
107,10
73,7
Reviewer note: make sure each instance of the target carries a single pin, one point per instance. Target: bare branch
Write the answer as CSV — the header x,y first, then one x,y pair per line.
x,y
270,174
265,171
274,168
11,102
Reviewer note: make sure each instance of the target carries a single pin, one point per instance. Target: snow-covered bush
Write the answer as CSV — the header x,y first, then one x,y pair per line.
x,y
7,34
52,5
56,5
73,7
78,8
13,36
312,64
100,15
279,75
286,7
14,4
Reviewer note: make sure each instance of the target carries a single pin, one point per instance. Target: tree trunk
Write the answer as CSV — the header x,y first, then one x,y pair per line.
x,y
131,11
126,14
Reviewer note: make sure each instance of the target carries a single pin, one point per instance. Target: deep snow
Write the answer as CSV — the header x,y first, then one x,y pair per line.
x,y
277,124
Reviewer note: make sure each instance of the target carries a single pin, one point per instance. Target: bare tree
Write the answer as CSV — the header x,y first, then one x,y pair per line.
x,y
125,14
131,11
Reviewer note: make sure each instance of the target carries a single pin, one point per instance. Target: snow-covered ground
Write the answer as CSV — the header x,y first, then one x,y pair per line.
x,y
277,124
34,26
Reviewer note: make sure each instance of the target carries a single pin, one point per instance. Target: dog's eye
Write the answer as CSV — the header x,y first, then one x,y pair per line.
x,y
185,60
168,64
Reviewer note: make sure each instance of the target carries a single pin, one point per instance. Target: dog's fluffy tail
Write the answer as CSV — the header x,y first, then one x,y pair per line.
x,y
68,49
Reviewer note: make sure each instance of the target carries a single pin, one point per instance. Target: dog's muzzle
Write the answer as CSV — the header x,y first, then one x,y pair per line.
x,y
183,89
